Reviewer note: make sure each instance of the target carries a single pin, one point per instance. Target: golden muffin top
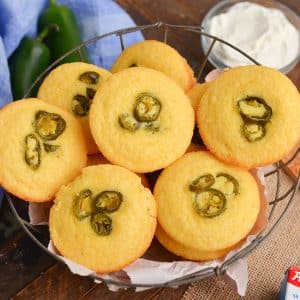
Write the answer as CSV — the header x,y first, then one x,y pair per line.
x,y
72,86
158,56
249,116
206,204
37,149
141,119
109,214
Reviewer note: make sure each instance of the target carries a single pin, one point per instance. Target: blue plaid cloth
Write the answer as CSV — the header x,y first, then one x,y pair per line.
x,y
18,18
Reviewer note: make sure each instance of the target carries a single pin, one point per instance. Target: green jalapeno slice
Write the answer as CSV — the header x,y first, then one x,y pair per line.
x,y
90,93
128,122
50,148
108,201
254,109
209,203
253,132
101,223
89,77
32,151
49,126
227,184
82,204
202,182
152,126
80,105
147,108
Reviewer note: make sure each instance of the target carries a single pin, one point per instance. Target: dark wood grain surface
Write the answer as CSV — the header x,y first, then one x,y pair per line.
x,y
28,273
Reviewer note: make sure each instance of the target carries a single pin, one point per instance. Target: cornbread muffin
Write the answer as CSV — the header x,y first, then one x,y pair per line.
x,y
158,56
201,255
195,94
206,205
249,116
99,159
42,147
108,213
141,120
72,86
185,252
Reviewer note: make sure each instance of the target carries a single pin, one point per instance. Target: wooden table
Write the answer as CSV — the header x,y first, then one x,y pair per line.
x,y
28,273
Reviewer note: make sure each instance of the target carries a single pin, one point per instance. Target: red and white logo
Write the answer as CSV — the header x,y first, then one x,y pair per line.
x,y
294,276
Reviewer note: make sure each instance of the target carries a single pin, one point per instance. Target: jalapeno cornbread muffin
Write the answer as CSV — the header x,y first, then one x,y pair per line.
x,y
158,56
109,215
249,116
99,159
42,147
195,94
141,120
72,86
201,255
205,204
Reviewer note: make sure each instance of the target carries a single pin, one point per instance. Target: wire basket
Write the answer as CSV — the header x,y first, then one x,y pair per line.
x,y
281,200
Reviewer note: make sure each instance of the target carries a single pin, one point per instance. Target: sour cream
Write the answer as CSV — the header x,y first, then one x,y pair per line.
x,y
263,33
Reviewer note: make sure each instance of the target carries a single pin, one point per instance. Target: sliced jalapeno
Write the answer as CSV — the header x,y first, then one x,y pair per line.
x,y
254,109
227,184
202,182
49,126
147,108
82,204
50,148
209,203
90,93
80,105
128,122
152,126
32,151
89,77
253,131
102,224
108,201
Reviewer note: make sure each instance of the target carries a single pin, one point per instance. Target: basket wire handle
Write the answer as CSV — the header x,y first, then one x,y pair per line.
x,y
284,164
276,192
205,59
80,55
121,41
21,221
285,194
166,34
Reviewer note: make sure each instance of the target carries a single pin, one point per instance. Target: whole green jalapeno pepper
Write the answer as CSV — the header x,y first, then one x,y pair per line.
x,y
27,62
66,38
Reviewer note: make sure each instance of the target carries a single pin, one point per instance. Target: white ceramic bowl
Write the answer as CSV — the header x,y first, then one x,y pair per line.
x,y
224,5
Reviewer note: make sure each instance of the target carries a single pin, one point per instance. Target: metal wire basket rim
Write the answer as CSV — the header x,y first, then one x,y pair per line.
x,y
120,32
209,271
192,277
